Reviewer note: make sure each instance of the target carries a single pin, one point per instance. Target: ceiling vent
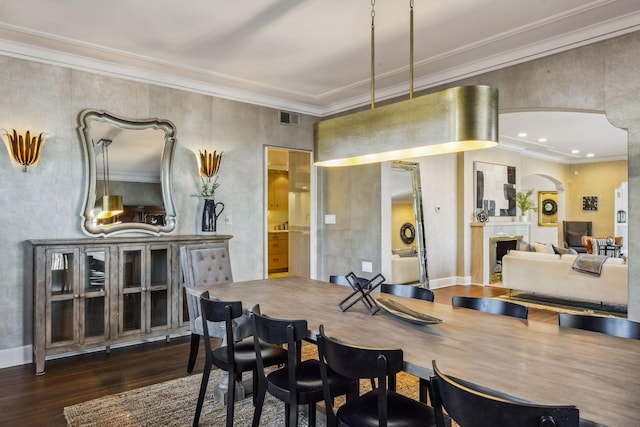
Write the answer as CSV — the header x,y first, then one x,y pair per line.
x,y
290,119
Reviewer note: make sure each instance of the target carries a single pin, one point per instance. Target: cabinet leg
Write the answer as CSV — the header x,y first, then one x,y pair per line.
x,y
108,349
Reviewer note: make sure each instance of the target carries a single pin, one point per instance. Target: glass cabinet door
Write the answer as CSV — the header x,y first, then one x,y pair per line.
x,y
132,279
159,288
144,287
62,296
94,295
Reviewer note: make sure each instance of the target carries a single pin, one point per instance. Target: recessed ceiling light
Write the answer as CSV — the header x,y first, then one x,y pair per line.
x,y
542,139
522,134
575,151
590,154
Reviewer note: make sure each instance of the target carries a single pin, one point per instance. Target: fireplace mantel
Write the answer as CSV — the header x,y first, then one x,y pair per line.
x,y
481,235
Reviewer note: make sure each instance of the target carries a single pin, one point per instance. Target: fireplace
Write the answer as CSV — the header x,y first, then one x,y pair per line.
x,y
499,247
486,257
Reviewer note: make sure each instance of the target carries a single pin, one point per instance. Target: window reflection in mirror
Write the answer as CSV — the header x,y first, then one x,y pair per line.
x,y
130,159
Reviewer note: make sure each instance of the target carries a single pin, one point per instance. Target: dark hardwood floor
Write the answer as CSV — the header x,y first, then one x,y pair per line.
x,y
30,400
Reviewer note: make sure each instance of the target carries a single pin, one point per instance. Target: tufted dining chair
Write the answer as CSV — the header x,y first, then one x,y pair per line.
x,y
206,265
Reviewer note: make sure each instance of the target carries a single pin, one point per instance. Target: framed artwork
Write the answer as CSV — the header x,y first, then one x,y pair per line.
x,y
589,203
548,208
495,189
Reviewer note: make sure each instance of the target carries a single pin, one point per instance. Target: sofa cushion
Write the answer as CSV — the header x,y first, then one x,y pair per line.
x,y
563,251
404,252
536,255
545,248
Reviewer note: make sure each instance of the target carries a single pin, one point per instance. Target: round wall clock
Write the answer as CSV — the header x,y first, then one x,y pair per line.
x,y
549,207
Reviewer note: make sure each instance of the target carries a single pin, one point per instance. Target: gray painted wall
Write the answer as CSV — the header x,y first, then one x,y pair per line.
x,y
46,202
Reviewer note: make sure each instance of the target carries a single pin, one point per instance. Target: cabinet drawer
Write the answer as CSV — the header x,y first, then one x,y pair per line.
x,y
278,262
278,237
278,247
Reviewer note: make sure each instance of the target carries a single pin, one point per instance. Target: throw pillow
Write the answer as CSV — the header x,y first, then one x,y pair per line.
x,y
562,251
544,248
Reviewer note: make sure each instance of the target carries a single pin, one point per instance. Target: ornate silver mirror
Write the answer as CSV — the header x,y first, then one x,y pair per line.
x,y
128,187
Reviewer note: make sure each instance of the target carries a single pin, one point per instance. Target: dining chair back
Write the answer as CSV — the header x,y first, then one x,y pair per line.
x,y
235,357
408,291
204,265
381,406
416,292
470,406
622,328
492,306
298,382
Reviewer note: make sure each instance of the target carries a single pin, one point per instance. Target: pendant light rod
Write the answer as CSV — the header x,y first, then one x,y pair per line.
x,y
373,54
411,2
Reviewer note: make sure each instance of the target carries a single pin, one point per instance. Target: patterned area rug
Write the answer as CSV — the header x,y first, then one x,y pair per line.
x,y
173,403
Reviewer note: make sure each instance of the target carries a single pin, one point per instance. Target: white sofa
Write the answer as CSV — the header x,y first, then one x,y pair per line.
x,y
552,275
404,269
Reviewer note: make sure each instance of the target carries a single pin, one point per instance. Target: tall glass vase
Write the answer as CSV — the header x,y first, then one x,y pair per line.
x,y
210,213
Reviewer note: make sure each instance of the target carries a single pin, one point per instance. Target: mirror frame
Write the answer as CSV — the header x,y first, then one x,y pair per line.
x,y
90,116
420,238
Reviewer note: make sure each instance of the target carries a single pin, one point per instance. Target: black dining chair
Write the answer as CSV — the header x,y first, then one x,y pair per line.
x,y
296,383
472,406
622,328
410,291
234,358
379,407
493,306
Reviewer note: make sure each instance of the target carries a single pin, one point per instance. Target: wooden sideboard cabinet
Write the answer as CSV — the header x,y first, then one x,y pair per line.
x,y
96,292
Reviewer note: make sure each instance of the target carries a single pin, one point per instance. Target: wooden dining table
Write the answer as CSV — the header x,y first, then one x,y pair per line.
x,y
536,361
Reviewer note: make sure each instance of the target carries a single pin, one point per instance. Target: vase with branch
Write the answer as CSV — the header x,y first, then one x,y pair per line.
x,y
209,166
524,202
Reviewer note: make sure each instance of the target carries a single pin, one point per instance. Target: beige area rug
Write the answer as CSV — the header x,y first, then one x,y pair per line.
x,y
173,403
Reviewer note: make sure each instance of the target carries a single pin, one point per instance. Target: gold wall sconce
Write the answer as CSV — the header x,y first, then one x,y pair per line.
x,y
25,149
209,163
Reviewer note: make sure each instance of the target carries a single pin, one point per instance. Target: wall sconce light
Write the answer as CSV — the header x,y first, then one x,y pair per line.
x,y
622,217
209,163
25,149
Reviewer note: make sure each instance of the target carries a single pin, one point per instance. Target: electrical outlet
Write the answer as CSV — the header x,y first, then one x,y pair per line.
x,y
228,220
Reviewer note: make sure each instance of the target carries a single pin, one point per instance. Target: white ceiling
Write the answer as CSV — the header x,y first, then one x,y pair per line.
x,y
308,56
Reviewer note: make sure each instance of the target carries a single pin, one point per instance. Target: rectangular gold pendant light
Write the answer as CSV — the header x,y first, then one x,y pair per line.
x,y
457,119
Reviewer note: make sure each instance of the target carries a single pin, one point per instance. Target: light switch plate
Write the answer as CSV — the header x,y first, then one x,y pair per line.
x,y
329,219
367,267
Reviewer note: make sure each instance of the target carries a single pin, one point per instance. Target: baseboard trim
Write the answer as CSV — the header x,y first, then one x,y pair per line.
x,y
16,356
24,355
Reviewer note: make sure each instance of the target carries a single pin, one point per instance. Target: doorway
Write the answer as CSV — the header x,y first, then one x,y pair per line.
x,y
288,212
